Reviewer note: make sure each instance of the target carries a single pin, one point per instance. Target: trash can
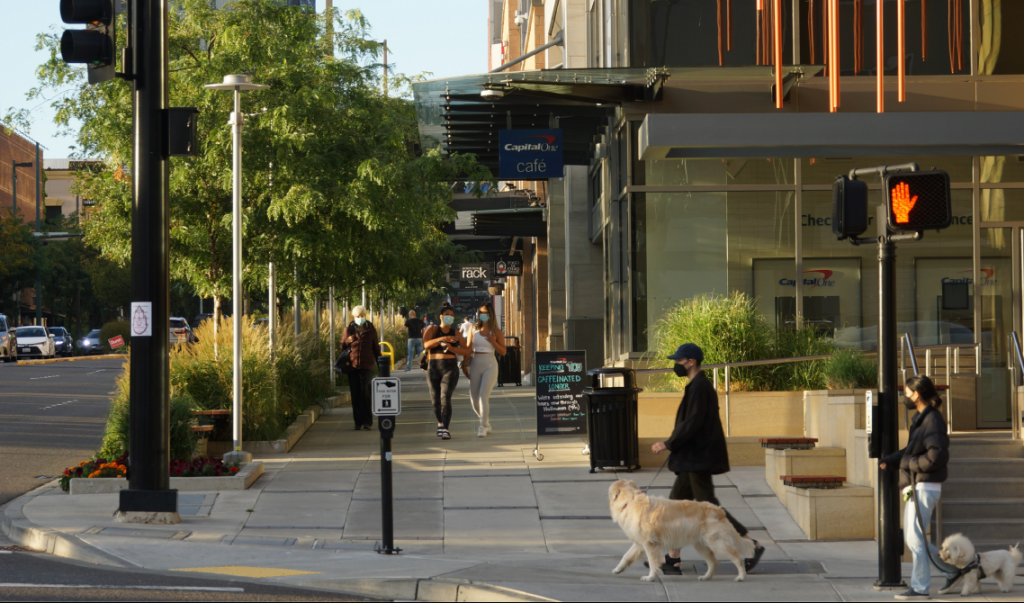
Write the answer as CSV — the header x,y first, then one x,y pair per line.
x,y
612,420
510,365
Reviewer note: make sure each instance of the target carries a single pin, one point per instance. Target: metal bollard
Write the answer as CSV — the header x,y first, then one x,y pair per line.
x,y
383,366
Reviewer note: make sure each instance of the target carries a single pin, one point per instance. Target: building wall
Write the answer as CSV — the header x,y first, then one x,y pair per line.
x,y
18,148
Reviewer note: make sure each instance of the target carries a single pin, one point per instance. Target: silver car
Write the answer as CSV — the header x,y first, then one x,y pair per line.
x,y
8,352
90,344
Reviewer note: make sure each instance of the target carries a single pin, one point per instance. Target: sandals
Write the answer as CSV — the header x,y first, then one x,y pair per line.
x,y
750,564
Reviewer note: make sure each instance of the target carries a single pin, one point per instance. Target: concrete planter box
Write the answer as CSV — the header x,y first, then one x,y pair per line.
x,y
247,474
289,438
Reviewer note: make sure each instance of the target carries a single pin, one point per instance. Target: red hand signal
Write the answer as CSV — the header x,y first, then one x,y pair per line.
x,y
902,202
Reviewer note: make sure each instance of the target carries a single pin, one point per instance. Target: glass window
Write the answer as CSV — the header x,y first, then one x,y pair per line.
x,y
931,275
1002,204
999,54
688,244
1002,169
824,170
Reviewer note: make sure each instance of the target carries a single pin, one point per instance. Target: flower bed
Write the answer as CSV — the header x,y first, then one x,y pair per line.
x,y
118,468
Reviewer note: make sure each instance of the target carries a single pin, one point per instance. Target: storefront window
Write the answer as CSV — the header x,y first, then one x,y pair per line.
x,y
1001,50
687,244
1002,169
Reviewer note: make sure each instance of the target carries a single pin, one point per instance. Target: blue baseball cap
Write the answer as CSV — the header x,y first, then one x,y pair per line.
x,y
688,350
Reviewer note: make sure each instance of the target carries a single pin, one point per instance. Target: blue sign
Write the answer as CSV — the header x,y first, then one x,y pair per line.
x,y
530,154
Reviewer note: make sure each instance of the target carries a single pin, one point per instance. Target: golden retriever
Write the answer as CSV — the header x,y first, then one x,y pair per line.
x,y
655,524
1001,566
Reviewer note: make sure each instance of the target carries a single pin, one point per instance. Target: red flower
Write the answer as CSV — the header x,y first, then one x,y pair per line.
x,y
234,469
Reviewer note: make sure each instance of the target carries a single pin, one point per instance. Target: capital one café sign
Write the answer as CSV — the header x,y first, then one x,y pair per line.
x,y
529,154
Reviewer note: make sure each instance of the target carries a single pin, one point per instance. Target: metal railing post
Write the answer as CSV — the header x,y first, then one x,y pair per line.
x,y
977,359
715,371
949,367
728,431
928,363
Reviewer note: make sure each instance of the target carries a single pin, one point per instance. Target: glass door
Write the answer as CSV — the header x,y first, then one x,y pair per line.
x,y
1000,308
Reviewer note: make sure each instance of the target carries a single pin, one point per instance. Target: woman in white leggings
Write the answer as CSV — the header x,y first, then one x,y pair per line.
x,y
485,340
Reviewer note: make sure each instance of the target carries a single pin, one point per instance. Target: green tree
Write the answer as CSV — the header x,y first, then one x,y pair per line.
x,y
332,185
17,251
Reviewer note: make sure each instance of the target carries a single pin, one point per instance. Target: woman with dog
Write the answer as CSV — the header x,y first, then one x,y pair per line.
x,y
697,447
444,344
923,468
485,339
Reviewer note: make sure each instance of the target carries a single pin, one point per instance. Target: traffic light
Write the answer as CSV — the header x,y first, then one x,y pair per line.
x,y
917,200
95,44
849,207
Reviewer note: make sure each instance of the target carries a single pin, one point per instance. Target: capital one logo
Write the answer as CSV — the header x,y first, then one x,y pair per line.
x,y
819,278
987,277
548,146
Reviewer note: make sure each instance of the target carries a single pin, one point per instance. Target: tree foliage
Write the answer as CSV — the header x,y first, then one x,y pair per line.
x,y
331,183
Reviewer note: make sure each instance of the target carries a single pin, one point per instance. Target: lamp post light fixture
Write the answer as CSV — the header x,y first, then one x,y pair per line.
x,y
237,83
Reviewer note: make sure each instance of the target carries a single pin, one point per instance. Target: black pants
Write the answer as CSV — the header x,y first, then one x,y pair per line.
x,y
442,377
359,382
699,487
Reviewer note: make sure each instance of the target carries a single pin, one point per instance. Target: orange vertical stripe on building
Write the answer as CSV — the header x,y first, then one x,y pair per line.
x,y
880,57
901,50
778,54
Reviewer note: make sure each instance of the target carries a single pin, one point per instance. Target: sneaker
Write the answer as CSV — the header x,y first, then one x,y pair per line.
x,y
481,432
367,427
440,431
445,435
487,429
950,583
750,564
911,595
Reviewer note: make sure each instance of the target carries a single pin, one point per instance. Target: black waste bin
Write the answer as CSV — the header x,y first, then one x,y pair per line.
x,y
510,365
612,420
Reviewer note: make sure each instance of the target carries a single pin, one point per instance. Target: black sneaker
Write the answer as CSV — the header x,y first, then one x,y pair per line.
x,y
911,595
440,431
950,583
367,427
670,567
750,564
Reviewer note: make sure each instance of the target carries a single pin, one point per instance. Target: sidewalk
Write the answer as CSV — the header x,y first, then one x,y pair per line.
x,y
472,510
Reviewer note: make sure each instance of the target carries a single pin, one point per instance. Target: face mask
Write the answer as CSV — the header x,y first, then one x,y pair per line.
x,y
447,320
360,321
680,370
485,317
909,403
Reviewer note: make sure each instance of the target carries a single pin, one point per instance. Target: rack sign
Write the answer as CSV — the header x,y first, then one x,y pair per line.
x,y
530,154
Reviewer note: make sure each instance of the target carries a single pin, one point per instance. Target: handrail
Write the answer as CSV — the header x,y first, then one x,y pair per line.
x,y
746,363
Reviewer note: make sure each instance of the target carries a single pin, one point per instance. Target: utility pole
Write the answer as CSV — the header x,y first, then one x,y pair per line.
x,y
149,498
39,285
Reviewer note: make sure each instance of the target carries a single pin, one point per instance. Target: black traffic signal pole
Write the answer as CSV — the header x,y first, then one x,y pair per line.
x,y
149,482
890,541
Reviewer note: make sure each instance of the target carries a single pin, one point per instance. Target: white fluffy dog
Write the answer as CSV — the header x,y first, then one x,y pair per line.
x,y
1001,566
655,524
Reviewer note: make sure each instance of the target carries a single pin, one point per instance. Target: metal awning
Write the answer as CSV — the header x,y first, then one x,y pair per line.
x,y
453,114
683,136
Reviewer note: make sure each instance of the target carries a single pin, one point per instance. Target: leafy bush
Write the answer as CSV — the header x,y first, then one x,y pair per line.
x,y
98,466
850,369
202,466
115,438
113,329
732,329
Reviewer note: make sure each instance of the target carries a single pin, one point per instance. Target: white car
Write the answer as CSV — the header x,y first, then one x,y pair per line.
x,y
34,342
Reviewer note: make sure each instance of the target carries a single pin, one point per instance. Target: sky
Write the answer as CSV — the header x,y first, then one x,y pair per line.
x,y
447,38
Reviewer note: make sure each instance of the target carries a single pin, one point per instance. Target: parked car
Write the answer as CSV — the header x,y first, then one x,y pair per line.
x,y
8,351
199,318
90,344
181,333
62,340
34,342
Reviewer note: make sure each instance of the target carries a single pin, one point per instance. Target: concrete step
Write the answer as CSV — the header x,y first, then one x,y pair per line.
x,y
985,448
970,468
985,529
984,488
965,510
991,545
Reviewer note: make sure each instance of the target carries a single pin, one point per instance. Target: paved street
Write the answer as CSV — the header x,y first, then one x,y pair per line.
x,y
51,416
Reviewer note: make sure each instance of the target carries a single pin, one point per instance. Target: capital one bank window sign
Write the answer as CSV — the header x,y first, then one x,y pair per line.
x,y
530,154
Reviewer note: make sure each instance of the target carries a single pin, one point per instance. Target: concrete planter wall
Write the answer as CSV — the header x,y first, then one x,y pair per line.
x,y
247,474
289,438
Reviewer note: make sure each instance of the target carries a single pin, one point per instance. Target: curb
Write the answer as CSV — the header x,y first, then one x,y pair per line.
x,y
72,359
424,589
293,433
20,530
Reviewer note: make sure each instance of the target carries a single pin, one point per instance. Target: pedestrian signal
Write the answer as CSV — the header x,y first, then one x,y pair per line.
x,y
849,207
95,44
918,200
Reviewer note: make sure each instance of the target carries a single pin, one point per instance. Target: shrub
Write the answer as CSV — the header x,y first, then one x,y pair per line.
x,y
851,369
115,438
732,329
98,466
113,329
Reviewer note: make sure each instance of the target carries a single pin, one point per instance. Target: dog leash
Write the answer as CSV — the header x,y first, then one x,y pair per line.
x,y
655,476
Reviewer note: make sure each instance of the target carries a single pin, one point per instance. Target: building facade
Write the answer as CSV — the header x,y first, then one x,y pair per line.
x,y
696,183
18,171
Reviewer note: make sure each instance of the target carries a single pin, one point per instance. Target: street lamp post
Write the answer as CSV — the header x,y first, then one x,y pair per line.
x,y
237,83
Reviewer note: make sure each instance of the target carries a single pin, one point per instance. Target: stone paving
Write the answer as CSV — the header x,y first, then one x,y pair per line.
x,y
478,509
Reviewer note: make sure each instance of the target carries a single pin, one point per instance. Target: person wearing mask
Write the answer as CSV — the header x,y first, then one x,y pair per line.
x,y
923,468
444,345
485,340
415,345
360,337
697,446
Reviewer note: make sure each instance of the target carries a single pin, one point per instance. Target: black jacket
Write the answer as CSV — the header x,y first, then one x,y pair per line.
x,y
698,442
927,451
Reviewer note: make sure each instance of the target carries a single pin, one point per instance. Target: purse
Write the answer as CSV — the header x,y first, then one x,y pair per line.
x,y
343,365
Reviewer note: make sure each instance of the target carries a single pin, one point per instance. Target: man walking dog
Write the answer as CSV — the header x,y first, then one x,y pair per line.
x,y
697,446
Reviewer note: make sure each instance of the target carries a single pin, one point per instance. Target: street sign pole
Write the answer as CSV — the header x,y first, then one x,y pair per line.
x,y
387,405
